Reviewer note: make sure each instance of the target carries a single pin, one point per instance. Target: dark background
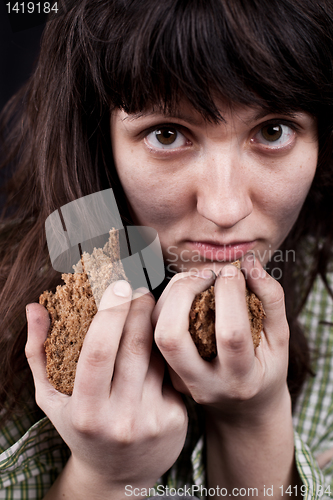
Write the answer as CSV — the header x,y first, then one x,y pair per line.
x,y
18,53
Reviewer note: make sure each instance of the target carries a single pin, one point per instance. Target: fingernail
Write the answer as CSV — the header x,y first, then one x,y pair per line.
x,y
251,257
141,291
228,271
263,273
27,311
122,289
206,274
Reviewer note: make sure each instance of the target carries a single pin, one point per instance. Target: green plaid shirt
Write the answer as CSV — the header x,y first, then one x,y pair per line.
x,y
33,454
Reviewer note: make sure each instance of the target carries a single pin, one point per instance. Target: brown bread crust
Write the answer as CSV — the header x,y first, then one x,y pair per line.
x,y
202,321
72,308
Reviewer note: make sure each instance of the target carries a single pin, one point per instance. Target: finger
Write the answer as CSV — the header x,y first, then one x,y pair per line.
x,y
174,407
38,326
164,295
135,347
271,294
154,380
158,384
158,388
96,362
178,383
234,344
172,329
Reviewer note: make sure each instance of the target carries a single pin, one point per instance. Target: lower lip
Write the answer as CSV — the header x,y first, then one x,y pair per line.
x,y
222,253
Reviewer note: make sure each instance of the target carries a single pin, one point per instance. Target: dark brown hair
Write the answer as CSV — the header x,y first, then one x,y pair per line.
x,y
130,54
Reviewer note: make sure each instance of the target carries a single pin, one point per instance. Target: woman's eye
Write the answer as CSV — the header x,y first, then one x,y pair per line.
x,y
275,135
166,138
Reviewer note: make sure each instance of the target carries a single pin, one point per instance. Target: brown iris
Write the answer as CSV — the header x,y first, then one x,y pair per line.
x,y
166,136
271,132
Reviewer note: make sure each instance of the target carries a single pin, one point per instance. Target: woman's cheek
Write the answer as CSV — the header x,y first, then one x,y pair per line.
x,y
152,205
286,196
154,199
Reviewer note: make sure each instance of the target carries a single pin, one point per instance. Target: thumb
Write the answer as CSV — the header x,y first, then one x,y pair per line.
x,y
38,326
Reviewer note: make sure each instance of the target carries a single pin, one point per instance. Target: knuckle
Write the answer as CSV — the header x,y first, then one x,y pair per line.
x,y
137,334
87,420
236,393
174,419
28,351
154,428
202,398
97,354
277,296
243,392
137,341
166,341
178,287
185,283
179,276
199,396
234,342
124,431
85,424
178,418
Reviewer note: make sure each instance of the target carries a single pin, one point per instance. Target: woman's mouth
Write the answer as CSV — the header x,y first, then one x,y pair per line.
x,y
221,252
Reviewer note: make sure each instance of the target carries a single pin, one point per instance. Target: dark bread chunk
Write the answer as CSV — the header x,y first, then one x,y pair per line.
x,y
202,324
202,321
72,308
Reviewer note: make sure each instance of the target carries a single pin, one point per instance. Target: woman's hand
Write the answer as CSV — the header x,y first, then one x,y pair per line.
x,y
249,433
239,378
127,431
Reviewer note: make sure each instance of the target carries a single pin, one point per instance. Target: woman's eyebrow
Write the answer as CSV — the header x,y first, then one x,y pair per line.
x,y
262,113
178,116
257,114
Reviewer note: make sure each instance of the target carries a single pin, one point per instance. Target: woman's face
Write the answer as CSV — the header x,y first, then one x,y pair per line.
x,y
214,192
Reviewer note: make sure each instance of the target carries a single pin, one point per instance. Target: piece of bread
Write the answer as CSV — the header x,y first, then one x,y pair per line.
x,y
202,320
72,308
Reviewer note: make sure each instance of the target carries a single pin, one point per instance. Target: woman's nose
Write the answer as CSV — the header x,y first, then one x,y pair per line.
x,y
224,193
